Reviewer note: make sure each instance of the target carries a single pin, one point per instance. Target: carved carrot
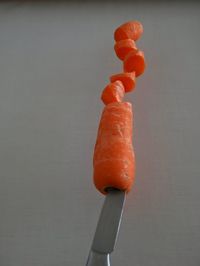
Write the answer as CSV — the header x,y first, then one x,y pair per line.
x,y
113,92
114,160
135,62
123,47
129,30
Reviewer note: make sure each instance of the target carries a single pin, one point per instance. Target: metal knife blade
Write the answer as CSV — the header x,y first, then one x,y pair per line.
x,y
109,222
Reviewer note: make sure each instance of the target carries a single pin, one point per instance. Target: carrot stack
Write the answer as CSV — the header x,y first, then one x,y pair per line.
x,y
114,159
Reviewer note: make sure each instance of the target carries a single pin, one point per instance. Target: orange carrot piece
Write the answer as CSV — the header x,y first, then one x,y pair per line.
x,y
135,62
114,160
113,92
130,30
128,80
123,47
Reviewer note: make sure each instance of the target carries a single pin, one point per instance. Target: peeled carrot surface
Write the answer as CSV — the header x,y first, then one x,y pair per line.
x,y
128,80
130,30
123,47
135,62
113,92
114,160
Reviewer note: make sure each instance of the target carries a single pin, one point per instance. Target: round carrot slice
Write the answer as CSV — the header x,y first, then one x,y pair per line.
x,y
128,80
130,30
113,92
114,160
135,62
123,47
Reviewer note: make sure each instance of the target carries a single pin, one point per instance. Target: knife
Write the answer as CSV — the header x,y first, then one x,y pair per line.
x,y
107,229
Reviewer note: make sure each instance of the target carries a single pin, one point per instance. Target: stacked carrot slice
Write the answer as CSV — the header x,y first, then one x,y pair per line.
x,y
114,160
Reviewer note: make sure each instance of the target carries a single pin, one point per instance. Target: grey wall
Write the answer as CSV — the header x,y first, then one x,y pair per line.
x,y
55,59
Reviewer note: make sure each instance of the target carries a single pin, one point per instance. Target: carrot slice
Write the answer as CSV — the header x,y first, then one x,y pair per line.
x,y
128,80
135,62
129,30
123,47
114,160
113,92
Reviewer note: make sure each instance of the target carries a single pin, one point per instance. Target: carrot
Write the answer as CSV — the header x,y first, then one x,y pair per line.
x,y
113,92
130,30
114,160
135,62
123,47
128,80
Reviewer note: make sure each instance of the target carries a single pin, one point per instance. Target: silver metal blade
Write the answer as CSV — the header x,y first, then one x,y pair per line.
x,y
109,222
98,259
